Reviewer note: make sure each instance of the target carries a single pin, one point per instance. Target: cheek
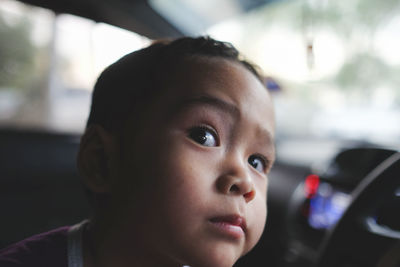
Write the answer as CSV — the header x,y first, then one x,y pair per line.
x,y
261,218
258,211
185,162
186,176
182,193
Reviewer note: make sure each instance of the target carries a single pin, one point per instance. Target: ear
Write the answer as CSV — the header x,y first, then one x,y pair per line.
x,y
97,158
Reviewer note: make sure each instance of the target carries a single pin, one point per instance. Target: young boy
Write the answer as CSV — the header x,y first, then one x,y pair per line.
x,y
175,159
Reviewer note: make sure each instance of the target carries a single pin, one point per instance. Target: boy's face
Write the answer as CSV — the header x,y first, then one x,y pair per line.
x,y
202,156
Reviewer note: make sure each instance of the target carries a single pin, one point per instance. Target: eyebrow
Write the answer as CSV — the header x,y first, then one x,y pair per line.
x,y
208,100
266,135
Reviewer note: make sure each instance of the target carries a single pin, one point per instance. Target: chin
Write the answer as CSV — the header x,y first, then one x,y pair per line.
x,y
224,256
209,262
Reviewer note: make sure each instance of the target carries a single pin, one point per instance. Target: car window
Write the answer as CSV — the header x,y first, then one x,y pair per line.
x,y
49,64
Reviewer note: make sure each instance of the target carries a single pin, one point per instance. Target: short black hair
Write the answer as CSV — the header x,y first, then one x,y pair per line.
x,y
136,77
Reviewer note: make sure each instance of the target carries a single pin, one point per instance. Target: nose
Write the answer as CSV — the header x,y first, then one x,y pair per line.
x,y
236,180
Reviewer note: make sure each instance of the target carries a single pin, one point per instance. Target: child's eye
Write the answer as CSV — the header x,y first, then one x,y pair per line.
x,y
258,163
204,136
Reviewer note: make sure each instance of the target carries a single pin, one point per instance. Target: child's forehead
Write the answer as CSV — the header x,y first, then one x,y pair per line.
x,y
198,73
196,63
204,78
221,83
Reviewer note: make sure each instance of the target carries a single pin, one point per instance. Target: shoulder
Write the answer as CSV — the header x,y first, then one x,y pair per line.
x,y
46,249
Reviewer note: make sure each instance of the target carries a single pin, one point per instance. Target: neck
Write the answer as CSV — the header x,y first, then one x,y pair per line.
x,y
105,245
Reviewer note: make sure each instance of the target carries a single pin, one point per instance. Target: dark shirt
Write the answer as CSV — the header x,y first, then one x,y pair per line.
x,y
42,250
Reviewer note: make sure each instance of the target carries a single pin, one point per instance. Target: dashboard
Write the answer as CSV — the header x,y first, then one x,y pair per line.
x,y
322,197
326,206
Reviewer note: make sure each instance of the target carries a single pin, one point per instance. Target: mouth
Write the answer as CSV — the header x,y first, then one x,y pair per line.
x,y
233,226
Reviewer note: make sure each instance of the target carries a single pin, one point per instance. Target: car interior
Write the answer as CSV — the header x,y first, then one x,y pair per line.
x,y
330,66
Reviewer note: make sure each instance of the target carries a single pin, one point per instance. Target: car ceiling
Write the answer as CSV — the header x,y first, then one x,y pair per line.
x,y
134,15
139,16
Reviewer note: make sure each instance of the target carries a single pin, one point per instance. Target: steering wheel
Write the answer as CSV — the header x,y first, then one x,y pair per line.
x,y
358,239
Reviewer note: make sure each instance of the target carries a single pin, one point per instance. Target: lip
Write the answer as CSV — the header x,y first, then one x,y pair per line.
x,y
233,226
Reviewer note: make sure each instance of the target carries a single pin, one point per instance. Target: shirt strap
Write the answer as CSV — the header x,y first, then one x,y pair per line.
x,y
75,250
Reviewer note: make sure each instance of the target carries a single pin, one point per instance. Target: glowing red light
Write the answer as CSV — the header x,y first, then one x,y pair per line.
x,y
311,185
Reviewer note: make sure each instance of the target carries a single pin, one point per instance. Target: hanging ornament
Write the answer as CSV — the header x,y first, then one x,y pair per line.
x,y
310,55
308,31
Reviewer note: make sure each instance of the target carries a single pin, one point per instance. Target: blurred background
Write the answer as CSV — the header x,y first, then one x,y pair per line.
x,y
335,63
